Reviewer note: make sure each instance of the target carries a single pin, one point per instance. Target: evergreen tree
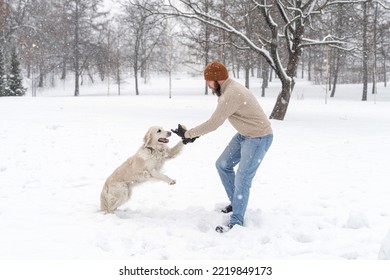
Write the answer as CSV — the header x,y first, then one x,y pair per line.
x,y
3,79
15,81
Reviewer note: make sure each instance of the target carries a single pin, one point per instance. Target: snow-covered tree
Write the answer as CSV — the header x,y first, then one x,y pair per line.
x,y
14,79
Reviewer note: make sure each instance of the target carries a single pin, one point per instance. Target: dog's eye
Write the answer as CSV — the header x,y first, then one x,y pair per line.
x,y
159,131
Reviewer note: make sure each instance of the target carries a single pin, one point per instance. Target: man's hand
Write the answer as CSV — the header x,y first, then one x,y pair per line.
x,y
189,140
180,131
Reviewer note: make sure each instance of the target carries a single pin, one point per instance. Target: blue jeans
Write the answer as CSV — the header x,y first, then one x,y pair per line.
x,y
248,152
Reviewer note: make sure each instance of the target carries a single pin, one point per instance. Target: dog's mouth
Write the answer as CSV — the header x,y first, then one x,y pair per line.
x,y
163,140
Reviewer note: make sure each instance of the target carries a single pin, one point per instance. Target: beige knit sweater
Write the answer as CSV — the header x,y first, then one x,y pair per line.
x,y
241,108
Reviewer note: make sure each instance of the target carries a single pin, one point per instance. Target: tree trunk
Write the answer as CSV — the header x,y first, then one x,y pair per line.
x,y
384,73
385,56
63,69
76,52
374,72
265,73
336,73
135,65
309,65
247,75
281,105
206,58
136,79
118,67
365,52
41,78
206,48
337,53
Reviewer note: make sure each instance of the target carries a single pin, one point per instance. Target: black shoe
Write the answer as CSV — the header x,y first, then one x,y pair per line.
x,y
222,229
227,209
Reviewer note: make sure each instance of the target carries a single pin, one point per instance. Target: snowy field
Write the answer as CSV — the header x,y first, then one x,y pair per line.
x,y
322,192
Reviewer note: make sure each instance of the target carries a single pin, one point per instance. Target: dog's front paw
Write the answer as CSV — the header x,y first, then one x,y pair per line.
x,y
172,182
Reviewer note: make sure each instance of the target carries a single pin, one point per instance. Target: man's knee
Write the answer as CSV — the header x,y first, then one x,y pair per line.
x,y
222,164
219,164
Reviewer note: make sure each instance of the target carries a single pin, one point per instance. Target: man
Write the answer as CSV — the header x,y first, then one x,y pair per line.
x,y
247,148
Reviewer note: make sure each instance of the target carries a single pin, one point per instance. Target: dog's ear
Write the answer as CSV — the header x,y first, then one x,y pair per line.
x,y
148,139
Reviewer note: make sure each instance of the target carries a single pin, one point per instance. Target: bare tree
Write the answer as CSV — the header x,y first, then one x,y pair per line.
x,y
144,34
201,39
286,22
86,22
170,52
13,22
380,41
117,63
339,23
39,44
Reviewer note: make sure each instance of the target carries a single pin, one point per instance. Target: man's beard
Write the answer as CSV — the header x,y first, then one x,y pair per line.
x,y
217,89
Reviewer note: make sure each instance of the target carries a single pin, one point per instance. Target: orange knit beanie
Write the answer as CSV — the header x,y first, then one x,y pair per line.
x,y
216,71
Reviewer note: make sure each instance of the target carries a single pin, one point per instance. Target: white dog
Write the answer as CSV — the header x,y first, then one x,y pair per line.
x,y
145,164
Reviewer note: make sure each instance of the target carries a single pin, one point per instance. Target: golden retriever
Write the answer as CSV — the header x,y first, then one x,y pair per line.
x,y
145,164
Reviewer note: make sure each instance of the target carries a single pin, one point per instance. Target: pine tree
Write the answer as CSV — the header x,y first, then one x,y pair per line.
x,y
3,77
14,79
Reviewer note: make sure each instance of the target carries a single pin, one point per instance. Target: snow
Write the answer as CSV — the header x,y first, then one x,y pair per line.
x,y
384,253
321,193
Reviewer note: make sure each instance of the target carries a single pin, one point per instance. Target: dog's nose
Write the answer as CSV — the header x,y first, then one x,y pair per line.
x,y
169,133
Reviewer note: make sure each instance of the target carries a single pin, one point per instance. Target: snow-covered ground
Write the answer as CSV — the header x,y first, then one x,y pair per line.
x,y
322,192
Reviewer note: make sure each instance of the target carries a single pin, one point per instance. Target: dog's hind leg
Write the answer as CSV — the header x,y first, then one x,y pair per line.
x,y
114,197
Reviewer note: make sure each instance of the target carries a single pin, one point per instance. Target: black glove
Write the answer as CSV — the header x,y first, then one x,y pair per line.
x,y
188,140
180,131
